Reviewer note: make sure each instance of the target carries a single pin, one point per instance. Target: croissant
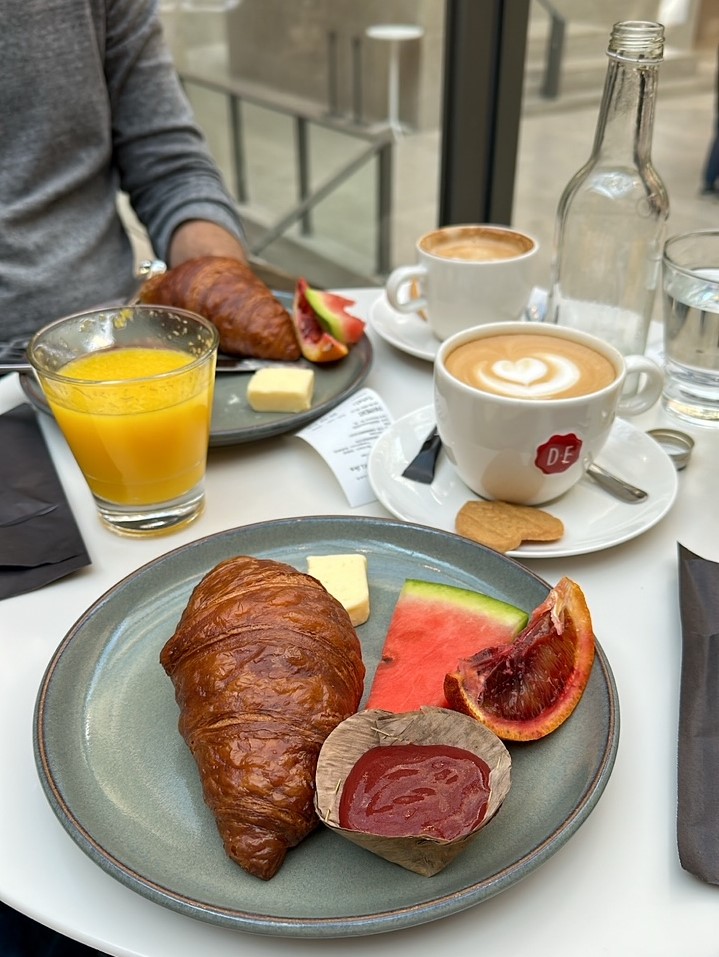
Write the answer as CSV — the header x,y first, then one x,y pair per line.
x,y
249,319
265,664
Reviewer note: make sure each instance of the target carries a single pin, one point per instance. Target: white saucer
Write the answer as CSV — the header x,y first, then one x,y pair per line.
x,y
406,331
593,520
410,333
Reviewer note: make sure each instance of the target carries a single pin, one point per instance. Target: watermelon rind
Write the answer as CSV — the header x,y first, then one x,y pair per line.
x,y
471,601
331,311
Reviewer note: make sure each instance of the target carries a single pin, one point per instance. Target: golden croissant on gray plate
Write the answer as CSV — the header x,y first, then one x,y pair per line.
x,y
248,317
265,664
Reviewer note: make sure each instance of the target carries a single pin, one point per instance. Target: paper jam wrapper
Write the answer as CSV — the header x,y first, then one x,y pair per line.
x,y
370,729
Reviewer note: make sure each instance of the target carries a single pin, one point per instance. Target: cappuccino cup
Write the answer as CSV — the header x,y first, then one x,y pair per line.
x,y
522,409
466,276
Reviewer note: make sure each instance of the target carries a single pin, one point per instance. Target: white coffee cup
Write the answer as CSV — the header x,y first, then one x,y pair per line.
x,y
557,392
466,275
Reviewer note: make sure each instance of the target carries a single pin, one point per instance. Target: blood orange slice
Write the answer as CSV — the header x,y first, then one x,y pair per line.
x,y
524,690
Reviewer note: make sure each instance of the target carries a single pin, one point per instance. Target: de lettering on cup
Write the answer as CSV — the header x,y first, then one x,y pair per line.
x,y
523,409
690,284
131,389
465,276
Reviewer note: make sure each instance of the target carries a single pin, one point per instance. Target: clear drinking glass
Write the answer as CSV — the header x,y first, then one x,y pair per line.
x,y
690,271
131,389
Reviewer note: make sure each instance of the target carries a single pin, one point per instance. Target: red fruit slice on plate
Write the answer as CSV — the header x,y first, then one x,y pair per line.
x,y
433,627
316,344
331,311
525,690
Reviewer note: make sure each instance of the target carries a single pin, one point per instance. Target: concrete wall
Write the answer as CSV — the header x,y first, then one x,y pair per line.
x,y
603,12
707,25
286,45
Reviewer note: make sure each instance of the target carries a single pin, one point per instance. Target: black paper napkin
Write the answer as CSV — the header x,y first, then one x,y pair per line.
x,y
698,746
39,538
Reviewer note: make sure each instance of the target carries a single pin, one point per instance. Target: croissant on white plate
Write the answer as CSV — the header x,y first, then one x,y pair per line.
x,y
265,664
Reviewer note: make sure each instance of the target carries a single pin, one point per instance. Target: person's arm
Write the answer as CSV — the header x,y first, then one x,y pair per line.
x,y
200,238
160,154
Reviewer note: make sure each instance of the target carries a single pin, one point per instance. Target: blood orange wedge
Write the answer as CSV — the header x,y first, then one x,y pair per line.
x,y
526,689
433,627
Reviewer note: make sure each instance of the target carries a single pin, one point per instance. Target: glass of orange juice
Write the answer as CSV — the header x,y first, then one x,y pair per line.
x,y
131,389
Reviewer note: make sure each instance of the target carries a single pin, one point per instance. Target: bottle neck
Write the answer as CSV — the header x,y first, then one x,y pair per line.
x,y
626,117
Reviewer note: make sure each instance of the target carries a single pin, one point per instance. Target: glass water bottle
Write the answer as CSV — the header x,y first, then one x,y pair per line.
x,y
612,215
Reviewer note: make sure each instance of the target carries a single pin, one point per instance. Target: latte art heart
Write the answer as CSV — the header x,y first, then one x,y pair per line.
x,y
532,377
524,371
531,365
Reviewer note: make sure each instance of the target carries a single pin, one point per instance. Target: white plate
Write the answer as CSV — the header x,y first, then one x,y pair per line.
x,y
408,332
593,520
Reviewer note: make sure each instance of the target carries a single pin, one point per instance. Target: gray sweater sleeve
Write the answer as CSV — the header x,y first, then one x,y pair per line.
x,y
90,103
162,158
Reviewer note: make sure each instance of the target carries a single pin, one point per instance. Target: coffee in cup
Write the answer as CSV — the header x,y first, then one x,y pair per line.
x,y
530,366
477,244
466,275
523,411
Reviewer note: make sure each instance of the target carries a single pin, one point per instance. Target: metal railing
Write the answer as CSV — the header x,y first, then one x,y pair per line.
x,y
379,139
554,51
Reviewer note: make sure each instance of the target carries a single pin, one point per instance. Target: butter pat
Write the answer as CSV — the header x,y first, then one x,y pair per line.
x,y
281,390
345,578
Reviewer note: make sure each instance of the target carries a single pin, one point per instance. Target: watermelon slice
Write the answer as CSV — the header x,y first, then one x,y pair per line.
x,y
331,310
433,627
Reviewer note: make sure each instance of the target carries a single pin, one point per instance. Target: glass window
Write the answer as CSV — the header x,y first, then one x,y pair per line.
x,y
344,141
325,120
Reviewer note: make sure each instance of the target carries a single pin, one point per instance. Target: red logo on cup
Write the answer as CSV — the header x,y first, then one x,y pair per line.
x,y
558,453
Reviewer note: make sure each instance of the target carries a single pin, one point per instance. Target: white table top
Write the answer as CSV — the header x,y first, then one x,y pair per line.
x,y
615,888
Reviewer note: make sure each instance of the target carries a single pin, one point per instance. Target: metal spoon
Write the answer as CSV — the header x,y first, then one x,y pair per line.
x,y
422,468
616,486
13,359
224,364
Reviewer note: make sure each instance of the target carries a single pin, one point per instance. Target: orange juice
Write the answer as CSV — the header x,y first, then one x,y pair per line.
x,y
139,440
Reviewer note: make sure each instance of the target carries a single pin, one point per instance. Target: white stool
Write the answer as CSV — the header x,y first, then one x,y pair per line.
x,y
394,33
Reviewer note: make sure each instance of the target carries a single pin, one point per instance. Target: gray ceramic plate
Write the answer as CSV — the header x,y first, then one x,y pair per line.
x,y
123,784
234,422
